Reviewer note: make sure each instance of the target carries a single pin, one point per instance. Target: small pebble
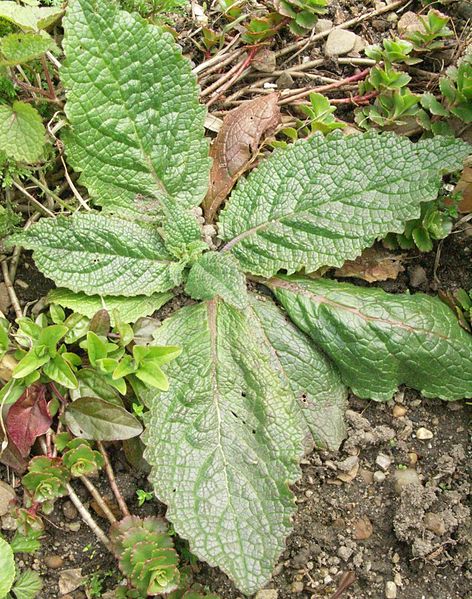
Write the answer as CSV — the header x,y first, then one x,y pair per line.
x,y
418,277
434,523
367,476
379,476
403,478
390,590
345,553
285,81
297,587
267,594
363,529
74,526
413,457
323,25
308,493
423,434
69,510
399,411
53,561
396,558
383,461
397,579
339,42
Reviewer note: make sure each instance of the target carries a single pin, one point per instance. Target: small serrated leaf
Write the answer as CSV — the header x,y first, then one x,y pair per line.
x,y
17,48
216,274
27,585
22,133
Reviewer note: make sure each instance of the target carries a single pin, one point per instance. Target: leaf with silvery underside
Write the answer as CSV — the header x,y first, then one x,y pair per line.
x,y
322,201
22,133
216,274
315,381
93,253
137,128
380,340
225,441
129,308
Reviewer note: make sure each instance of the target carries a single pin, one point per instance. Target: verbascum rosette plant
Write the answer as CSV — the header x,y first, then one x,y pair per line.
x,y
261,369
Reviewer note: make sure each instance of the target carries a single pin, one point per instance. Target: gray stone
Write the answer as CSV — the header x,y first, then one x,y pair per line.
x,y
339,42
383,461
435,523
403,478
7,494
285,81
267,594
379,476
323,25
465,9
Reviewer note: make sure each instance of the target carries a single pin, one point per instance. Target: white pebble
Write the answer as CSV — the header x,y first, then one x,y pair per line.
x,y
390,590
423,434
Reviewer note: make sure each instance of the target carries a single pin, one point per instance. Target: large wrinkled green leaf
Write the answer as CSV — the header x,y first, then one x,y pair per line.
x,y
100,420
7,567
224,442
28,584
22,133
216,274
129,308
314,380
322,201
136,125
379,340
90,252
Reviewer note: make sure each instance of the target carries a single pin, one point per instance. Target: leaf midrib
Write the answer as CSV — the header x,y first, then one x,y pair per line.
x,y
213,331
342,199
321,299
147,158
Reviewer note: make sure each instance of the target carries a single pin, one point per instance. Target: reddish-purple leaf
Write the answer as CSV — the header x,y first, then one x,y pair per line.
x,y
28,418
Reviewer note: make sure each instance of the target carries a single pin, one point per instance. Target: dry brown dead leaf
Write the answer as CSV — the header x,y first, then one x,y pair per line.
x,y
464,185
236,145
375,264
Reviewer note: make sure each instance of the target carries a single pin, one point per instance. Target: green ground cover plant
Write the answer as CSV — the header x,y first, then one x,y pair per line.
x,y
269,349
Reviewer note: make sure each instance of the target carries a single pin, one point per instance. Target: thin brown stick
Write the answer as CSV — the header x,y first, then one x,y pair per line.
x,y
214,86
239,73
52,91
95,493
33,200
11,290
111,477
87,518
323,88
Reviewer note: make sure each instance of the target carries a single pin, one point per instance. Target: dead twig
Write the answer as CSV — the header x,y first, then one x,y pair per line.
x,y
111,477
87,518
11,290
95,493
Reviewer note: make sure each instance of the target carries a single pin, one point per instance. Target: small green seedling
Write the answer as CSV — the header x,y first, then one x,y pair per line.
x,y
433,33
